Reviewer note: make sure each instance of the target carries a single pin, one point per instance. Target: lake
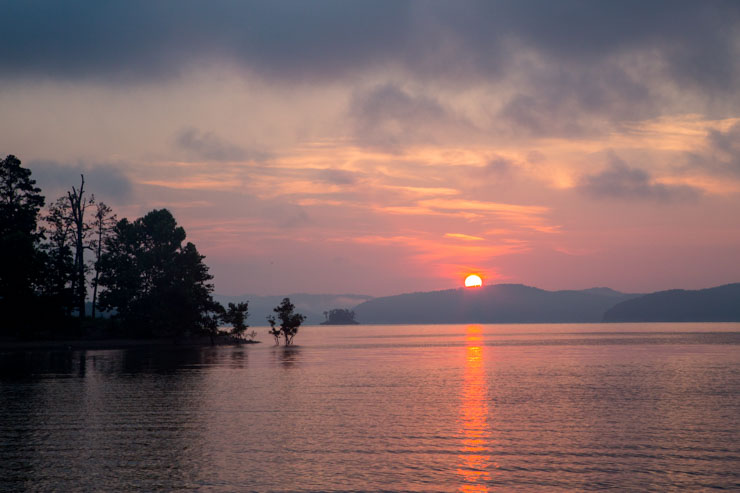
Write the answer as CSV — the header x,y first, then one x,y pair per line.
x,y
639,407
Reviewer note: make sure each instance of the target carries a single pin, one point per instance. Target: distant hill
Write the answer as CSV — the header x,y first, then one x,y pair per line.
x,y
720,304
311,305
511,303
500,303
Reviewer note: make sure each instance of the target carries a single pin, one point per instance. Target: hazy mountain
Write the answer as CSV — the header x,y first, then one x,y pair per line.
x,y
311,305
510,303
500,303
719,304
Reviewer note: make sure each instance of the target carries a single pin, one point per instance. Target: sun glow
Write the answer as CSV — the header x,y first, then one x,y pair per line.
x,y
473,281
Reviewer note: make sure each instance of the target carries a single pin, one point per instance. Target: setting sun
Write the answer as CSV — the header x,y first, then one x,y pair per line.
x,y
473,281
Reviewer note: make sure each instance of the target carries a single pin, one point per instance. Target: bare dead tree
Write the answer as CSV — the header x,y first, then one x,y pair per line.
x,y
78,205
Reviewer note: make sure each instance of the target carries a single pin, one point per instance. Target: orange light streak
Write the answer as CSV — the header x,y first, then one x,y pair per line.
x,y
475,460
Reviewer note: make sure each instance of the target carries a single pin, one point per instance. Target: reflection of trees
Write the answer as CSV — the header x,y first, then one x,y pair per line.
x,y
104,420
287,356
474,457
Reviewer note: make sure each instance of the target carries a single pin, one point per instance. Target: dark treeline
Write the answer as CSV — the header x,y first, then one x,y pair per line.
x,y
142,278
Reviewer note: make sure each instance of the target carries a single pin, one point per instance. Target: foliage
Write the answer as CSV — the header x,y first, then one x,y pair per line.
x,y
58,247
289,322
339,316
154,282
236,315
157,285
21,268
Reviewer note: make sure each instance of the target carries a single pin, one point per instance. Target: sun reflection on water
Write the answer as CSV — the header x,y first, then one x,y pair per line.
x,y
475,460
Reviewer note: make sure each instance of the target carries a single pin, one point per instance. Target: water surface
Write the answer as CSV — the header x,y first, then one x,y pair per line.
x,y
641,407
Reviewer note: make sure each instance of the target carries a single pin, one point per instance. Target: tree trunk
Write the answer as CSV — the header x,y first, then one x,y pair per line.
x,y
78,205
80,271
95,294
98,252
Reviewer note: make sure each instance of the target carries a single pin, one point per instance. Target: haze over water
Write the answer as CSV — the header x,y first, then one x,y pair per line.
x,y
650,407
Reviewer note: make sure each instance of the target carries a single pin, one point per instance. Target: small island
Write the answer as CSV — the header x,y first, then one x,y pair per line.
x,y
340,316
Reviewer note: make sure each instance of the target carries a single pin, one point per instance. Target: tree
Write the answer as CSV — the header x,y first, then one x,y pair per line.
x,y
78,205
59,269
289,322
211,321
157,285
20,259
236,315
102,227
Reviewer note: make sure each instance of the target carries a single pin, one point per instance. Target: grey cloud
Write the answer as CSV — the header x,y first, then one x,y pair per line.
x,y
580,68
727,142
106,182
337,176
500,168
619,181
206,145
565,103
727,148
696,41
143,39
389,117
286,215
721,153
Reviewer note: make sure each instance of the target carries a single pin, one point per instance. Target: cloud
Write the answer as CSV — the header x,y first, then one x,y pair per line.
x,y
296,33
619,181
141,39
695,42
337,176
723,153
463,236
206,145
539,68
285,215
108,183
499,167
552,101
390,117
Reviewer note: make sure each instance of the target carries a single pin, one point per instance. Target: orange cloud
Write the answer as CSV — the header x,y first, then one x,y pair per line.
x,y
461,236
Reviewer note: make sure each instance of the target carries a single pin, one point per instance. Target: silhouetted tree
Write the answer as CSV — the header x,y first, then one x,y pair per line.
x,y
59,269
236,316
289,322
211,321
339,316
274,331
157,285
78,205
20,260
102,227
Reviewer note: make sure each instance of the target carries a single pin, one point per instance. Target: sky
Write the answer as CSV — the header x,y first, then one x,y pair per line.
x,y
382,147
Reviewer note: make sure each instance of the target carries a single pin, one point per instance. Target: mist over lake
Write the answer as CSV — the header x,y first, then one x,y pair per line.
x,y
429,407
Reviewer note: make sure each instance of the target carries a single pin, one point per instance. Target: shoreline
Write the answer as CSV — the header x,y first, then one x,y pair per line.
x,y
116,343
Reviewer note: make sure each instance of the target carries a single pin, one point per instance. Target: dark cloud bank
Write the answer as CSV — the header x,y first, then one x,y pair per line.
x,y
696,41
578,67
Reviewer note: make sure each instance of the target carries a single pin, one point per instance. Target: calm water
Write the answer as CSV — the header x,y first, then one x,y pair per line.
x,y
445,408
